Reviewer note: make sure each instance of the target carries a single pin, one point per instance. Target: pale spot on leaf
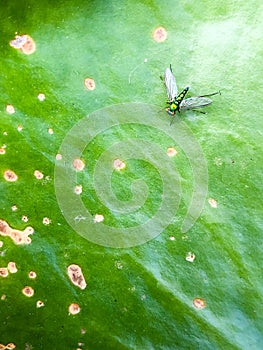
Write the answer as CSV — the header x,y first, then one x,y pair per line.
x,y
10,109
24,218
28,291
98,218
76,276
89,83
118,164
171,152
3,272
46,221
74,309
32,274
12,267
58,156
160,34
24,43
39,304
10,176
190,257
212,202
19,237
38,175
199,303
78,189
41,96
78,164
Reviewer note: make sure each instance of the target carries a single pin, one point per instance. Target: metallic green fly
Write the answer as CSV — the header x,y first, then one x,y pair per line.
x,y
177,102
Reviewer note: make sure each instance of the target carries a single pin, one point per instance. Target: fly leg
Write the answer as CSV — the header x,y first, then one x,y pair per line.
x,y
172,120
196,110
214,93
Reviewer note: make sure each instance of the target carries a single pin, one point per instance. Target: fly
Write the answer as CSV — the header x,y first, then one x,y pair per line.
x,y
177,102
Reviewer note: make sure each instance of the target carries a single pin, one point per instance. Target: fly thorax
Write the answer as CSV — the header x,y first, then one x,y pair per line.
x,y
174,106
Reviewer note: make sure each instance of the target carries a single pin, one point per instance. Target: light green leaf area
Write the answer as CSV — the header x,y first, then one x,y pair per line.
x,y
137,297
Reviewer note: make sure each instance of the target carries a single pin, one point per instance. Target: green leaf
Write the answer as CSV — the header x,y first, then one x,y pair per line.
x,y
204,202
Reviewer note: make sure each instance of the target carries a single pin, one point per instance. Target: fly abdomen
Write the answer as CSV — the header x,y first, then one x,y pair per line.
x,y
182,94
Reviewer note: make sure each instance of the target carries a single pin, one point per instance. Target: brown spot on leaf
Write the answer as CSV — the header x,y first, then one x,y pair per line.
x,y
190,257
40,304
3,272
24,43
118,164
58,156
46,221
89,83
28,291
199,303
32,274
78,189
19,237
10,109
41,96
160,34
78,164
10,175
4,228
171,152
12,267
98,218
74,309
76,276
212,202
38,175
24,218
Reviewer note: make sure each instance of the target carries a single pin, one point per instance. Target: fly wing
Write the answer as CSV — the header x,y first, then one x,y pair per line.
x,y
170,84
195,102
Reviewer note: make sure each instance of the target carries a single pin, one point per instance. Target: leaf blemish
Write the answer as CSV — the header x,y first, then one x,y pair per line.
x,y
10,176
199,303
24,43
171,152
160,34
32,274
76,276
38,175
89,83
28,291
19,237
74,309
78,164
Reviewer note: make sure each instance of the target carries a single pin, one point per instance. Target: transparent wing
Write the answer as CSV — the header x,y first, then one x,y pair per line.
x,y
195,102
170,84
